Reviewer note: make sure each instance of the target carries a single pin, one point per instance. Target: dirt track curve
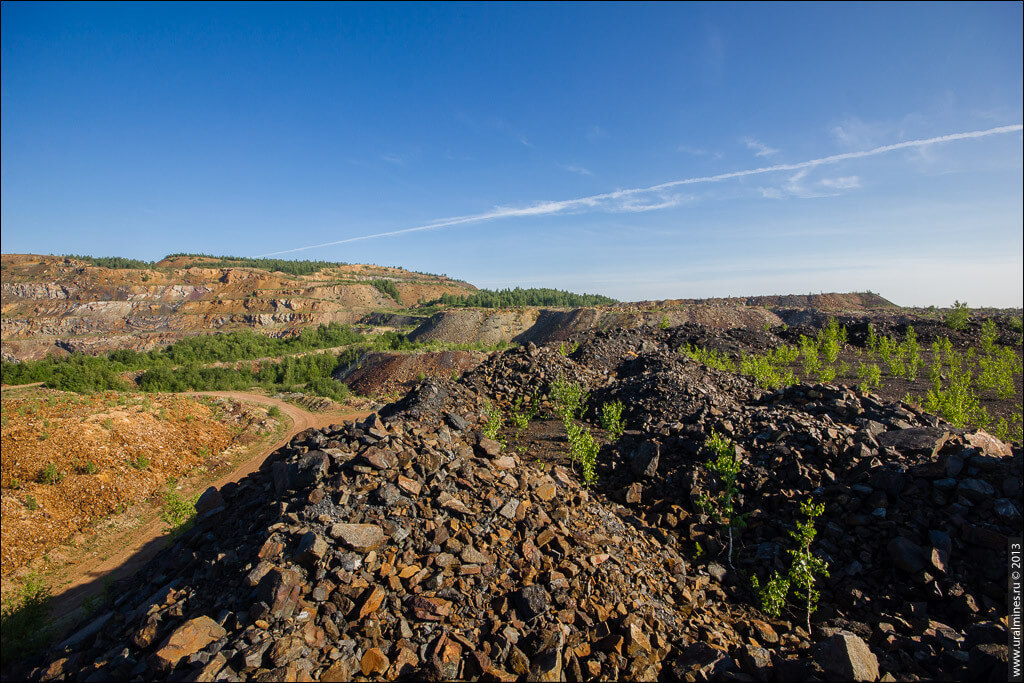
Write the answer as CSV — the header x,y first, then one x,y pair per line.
x,y
142,544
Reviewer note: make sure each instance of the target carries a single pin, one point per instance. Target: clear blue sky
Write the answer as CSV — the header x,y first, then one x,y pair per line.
x,y
140,130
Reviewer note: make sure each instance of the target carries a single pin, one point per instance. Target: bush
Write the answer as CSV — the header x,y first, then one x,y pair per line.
x,y
50,474
24,628
494,422
178,513
386,287
765,369
583,449
958,317
611,419
709,357
726,468
570,399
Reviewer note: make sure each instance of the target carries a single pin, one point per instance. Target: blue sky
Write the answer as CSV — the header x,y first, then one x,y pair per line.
x,y
141,130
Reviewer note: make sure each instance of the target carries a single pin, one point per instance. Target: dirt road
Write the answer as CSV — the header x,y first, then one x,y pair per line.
x,y
131,551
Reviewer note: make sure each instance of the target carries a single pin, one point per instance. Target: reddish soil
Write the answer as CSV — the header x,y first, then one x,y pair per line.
x,y
86,576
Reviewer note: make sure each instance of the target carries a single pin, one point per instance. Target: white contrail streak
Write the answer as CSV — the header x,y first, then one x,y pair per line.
x,y
593,201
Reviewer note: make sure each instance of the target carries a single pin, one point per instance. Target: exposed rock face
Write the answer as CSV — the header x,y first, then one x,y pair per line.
x,y
92,310
410,545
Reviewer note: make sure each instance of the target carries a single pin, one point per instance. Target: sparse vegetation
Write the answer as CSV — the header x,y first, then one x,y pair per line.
x,y
509,298
493,424
568,348
140,462
24,624
725,467
768,370
611,419
958,316
804,566
50,474
709,357
178,513
386,287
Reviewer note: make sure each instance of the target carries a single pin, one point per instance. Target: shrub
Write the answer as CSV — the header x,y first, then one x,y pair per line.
x,y
583,449
522,414
958,317
831,339
50,474
386,287
957,402
870,377
570,399
178,513
493,423
803,568
910,355
765,370
24,628
809,351
611,419
709,357
726,468
87,467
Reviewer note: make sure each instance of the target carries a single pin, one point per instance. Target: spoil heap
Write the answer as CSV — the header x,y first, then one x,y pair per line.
x,y
411,545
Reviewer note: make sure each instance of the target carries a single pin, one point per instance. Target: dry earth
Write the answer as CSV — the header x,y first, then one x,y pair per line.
x,y
111,528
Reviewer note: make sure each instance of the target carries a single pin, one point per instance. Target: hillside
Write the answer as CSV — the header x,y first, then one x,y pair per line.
x,y
51,303
432,541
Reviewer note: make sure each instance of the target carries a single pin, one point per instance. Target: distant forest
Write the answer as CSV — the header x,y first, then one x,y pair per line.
x,y
271,264
507,298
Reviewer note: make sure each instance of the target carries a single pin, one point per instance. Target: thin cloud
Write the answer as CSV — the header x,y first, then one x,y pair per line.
x,y
393,159
612,201
850,182
796,186
760,149
572,168
596,133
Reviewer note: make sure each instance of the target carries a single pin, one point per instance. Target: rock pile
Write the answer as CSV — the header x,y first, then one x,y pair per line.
x,y
410,545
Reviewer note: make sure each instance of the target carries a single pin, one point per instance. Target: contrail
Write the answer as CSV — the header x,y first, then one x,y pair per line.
x,y
552,207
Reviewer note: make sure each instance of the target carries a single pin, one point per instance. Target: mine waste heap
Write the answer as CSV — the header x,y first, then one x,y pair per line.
x,y
412,546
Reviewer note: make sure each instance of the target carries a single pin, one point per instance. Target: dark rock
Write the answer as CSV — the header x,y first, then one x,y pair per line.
x,y
311,468
456,422
988,662
645,460
925,440
906,554
531,601
846,657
